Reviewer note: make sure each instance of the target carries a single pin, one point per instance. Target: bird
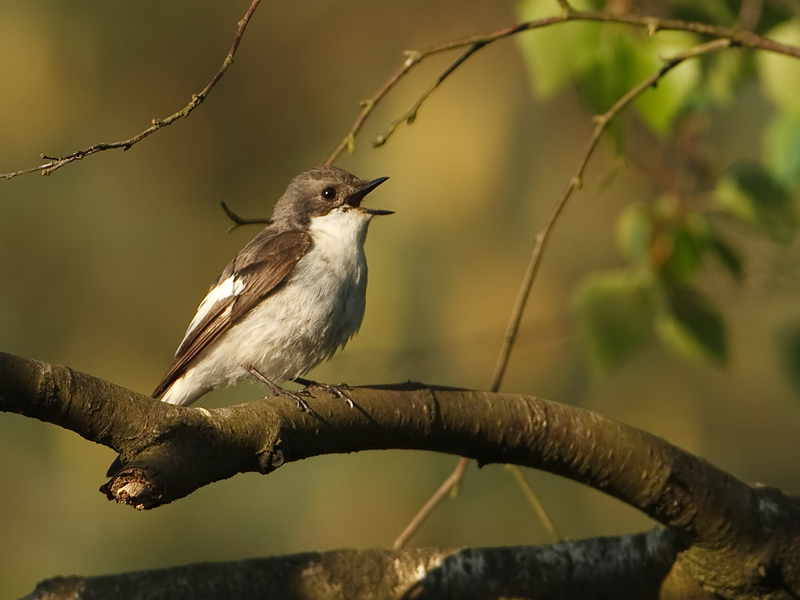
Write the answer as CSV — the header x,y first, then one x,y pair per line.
x,y
292,297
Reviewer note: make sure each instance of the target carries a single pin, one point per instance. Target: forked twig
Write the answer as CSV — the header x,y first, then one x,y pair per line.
x,y
414,57
411,115
651,24
239,221
56,162
601,122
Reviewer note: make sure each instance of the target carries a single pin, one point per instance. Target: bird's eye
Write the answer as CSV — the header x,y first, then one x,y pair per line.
x,y
329,193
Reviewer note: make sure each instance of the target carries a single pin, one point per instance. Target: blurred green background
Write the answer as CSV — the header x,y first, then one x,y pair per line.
x,y
103,263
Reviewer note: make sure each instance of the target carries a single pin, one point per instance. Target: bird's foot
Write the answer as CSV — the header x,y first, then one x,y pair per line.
x,y
278,390
337,390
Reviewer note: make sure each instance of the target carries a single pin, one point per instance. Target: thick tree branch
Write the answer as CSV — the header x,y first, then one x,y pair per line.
x,y
632,567
747,538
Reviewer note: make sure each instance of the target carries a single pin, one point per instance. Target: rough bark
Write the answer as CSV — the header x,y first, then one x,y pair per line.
x,y
742,541
631,567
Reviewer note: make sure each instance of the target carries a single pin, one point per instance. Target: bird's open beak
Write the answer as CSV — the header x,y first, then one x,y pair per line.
x,y
355,198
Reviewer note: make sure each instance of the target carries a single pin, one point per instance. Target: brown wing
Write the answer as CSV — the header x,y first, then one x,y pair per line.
x,y
253,275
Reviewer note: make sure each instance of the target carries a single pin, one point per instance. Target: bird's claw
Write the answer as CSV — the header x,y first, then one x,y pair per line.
x,y
337,390
279,391
301,404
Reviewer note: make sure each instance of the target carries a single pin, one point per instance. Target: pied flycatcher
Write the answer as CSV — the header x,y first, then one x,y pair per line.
x,y
290,299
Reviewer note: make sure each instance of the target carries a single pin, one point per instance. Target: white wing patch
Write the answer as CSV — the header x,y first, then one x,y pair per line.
x,y
219,293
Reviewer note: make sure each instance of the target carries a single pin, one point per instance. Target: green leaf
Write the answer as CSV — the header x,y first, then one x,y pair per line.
x,y
659,107
691,325
687,252
624,58
555,55
751,194
614,315
635,232
780,75
782,148
789,353
728,257
606,61
612,72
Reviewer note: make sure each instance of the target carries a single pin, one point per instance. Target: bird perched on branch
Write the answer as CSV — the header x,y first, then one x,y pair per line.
x,y
289,299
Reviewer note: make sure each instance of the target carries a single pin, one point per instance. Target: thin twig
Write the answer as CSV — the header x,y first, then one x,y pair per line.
x,y
239,221
651,24
534,501
56,162
444,490
601,122
411,115
367,106
413,58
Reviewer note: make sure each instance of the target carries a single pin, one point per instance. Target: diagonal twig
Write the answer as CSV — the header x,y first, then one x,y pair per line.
x,y
413,58
56,162
411,115
444,490
534,501
575,182
651,24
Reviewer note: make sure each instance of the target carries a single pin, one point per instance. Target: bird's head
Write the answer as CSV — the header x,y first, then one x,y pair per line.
x,y
322,190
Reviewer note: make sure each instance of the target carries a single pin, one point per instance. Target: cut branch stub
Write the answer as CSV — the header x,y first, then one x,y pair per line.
x,y
139,487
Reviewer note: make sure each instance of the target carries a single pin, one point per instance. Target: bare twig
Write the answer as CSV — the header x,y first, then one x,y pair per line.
x,y
56,162
737,37
413,58
534,501
652,24
601,122
448,485
411,115
239,221
348,142
575,181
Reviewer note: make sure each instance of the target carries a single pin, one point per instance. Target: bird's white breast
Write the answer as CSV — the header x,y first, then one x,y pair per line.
x,y
315,311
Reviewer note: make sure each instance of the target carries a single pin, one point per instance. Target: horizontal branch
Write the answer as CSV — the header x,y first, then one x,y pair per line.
x,y
631,567
170,451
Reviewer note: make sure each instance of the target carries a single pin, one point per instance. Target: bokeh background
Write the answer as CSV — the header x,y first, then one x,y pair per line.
x,y
103,263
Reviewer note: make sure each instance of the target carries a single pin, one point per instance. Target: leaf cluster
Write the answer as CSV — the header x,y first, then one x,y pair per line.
x,y
674,235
